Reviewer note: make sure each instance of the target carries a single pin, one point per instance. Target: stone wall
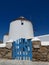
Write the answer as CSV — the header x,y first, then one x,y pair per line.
x,y
39,54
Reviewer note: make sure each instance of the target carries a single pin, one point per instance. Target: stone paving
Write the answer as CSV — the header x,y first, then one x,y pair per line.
x,y
21,62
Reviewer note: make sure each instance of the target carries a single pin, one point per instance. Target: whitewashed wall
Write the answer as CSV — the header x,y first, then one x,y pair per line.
x,y
5,38
20,31
44,39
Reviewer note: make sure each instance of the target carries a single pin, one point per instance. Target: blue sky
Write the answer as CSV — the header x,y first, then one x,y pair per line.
x,y
35,10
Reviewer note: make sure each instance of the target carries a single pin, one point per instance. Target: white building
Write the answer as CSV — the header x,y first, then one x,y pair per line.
x,y
22,28
5,38
44,39
19,28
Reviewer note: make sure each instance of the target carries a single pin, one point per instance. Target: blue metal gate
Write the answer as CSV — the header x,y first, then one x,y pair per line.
x,y
22,49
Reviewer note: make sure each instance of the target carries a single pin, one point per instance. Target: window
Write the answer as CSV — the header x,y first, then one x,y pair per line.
x,y
22,23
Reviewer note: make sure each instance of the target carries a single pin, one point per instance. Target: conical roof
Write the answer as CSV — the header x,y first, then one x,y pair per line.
x,y
21,18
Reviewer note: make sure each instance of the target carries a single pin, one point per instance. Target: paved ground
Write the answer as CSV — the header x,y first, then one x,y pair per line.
x,y
19,62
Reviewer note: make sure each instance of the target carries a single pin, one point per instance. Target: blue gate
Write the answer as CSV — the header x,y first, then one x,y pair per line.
x,y
22,49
